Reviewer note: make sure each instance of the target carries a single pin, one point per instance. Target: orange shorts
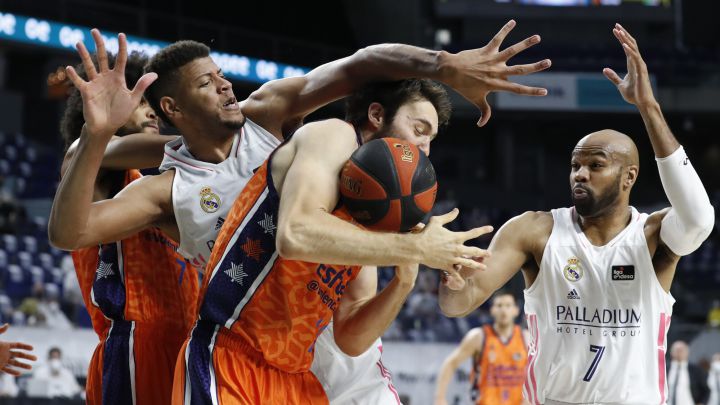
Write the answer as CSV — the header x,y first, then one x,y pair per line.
x,y
115,376
237,374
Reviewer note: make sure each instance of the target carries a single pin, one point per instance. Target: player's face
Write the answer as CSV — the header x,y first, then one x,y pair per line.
x,y
143,119
206,98
594,181
504,309
415,122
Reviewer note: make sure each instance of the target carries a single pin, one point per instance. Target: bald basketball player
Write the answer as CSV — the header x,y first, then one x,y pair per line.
x,y
598,274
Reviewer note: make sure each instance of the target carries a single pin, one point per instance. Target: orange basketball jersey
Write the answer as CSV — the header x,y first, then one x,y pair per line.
x,y
267,309
142,299
498,369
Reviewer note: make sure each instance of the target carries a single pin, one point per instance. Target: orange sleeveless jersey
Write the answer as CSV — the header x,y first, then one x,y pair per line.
x,y
499,369
142,299
257,303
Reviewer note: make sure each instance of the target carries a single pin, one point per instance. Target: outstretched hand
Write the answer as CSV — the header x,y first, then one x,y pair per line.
x,y
11,354
635,87
107,102
477,72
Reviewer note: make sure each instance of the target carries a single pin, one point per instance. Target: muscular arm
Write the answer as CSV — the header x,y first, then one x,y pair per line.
x,y
308,231
364,315
75,221
135,151
518,243
471,343
280,105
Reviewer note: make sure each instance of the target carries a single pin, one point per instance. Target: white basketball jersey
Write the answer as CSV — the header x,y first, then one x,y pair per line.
x,y
202,192
598,319
361,380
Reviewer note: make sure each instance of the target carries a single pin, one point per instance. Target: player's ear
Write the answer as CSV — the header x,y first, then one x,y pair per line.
x,y
169,107
376,116
630,177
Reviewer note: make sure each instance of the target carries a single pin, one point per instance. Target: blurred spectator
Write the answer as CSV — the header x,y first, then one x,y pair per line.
x,y
49,307
8,388
58,379
714,380
687,382
714,314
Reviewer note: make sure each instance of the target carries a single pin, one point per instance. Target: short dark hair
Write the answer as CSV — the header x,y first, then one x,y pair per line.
x,y
54,349
392,95
166,64
503,292
72,120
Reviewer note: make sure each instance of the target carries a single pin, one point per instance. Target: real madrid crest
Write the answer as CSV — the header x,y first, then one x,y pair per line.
x,y
573,271
209,201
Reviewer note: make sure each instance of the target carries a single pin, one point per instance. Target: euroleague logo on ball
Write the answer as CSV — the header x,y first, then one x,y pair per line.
x,y
350,184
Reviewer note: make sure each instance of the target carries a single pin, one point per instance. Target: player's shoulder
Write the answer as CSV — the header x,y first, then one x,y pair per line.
x,y
533,222
475,336
654,220
333,131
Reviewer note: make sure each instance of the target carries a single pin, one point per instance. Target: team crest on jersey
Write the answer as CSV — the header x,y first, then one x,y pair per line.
x,y
209,201
573,271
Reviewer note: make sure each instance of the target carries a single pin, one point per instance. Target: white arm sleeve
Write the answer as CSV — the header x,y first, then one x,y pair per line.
x,y
692,217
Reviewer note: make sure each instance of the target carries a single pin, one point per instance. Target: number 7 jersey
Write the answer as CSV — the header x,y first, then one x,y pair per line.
x,y
598,318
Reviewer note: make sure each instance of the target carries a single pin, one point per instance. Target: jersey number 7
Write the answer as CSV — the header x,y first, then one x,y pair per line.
x,y
598,350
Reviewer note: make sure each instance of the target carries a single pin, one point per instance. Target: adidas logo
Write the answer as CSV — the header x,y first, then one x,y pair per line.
x,y
219,223
573,295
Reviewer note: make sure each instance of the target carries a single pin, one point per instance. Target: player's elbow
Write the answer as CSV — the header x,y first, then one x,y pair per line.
x,y
60,239
289,241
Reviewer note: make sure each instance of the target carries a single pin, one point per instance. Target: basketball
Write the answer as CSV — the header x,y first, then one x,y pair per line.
x,y
388,185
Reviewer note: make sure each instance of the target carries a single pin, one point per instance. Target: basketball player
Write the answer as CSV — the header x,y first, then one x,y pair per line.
x,y
190,201
499,357
140,293
598,274
265,298
13,354
356,374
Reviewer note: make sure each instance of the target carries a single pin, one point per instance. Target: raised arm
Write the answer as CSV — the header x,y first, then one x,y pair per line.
x,y
471,343
281,105
309,192
691,219
519,243
75,221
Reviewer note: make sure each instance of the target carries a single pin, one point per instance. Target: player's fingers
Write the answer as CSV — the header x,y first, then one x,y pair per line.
x,y
24,355
121,59
417,228
446,218
102,56
10,371
612,76
485,111
470,263
19,364
475,233
4,328
517,88
497,40
87,62
511,51
473,251
627,34
75,78
145,81
527,68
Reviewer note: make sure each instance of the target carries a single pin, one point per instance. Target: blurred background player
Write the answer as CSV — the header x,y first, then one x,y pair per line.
x,y
598,274
139,291
499,357
687,382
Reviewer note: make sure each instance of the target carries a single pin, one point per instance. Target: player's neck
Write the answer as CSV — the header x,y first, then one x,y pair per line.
x,y
603,228
504,331
208,148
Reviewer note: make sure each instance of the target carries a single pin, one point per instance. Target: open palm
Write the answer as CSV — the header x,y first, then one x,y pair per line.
x,y
107,102
635,87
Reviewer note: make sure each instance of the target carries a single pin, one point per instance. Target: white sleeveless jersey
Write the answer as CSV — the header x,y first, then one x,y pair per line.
x,y
598,319
361,380
202,192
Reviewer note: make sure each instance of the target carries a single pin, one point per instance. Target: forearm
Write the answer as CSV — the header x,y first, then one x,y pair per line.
x,y
135,151
398,61
443,379
324,238
661,137
356,334
71,206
